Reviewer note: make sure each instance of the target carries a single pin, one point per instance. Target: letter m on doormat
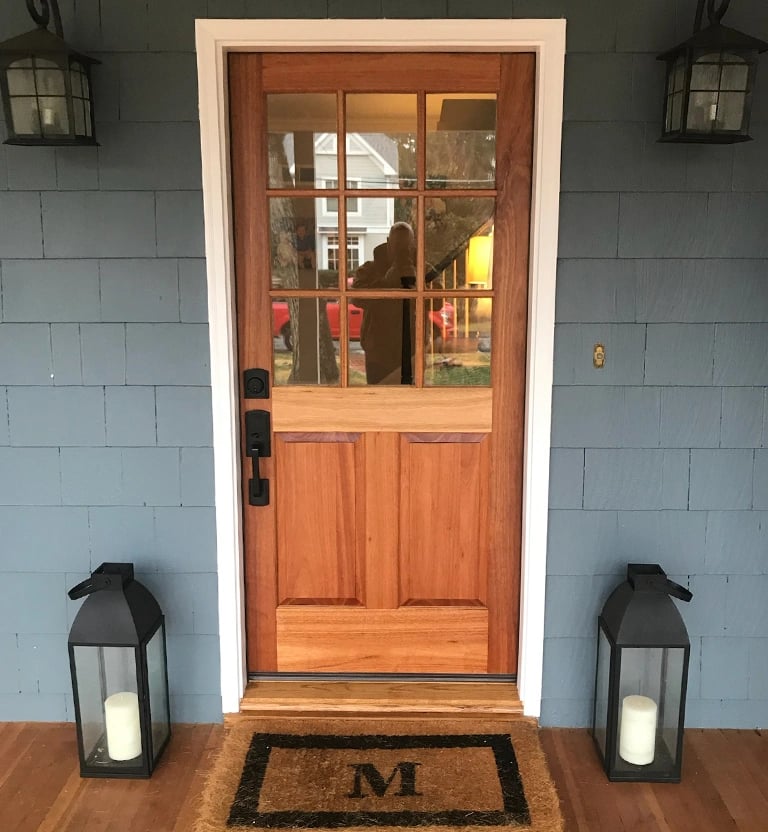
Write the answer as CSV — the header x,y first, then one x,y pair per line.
x,y
379,785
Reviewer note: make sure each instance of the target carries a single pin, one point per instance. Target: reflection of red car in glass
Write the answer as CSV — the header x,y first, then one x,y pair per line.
x,y
442,320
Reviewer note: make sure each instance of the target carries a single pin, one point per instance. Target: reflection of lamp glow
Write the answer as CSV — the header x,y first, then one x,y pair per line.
x,y
479,262
479,270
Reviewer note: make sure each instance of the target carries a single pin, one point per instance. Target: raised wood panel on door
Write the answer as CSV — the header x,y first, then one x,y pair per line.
x,y
317,525
393,540
443,519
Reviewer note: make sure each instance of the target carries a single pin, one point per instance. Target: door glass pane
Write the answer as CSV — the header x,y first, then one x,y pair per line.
x,y
386,340
293,244
305,340
449,229
458,342
388,257
461,140
356,369
301,139
381,140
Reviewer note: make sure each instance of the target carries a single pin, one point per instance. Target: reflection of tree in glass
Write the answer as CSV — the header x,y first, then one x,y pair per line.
x,y
285,272
461,159
456,159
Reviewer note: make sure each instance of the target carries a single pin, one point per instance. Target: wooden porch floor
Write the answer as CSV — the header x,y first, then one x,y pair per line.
x,y
724,788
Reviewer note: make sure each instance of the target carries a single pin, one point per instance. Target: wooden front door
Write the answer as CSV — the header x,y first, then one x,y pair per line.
x,y
382,208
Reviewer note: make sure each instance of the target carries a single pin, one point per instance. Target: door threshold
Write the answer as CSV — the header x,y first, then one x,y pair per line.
x,y
402,699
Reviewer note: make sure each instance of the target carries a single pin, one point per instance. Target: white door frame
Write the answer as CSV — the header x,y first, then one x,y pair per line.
x,y
215,38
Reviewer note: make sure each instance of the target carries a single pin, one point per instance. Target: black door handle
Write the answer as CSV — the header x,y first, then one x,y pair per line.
x,y
258,487
258,445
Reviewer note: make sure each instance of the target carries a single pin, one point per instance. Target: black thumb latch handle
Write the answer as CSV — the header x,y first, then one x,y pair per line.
x,y
677,591
258,487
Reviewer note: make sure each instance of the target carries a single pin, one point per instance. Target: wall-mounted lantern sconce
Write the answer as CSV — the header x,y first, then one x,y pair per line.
x,y
710,79
45,85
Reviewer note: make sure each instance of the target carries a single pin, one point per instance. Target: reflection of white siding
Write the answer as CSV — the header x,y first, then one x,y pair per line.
x,y
368,169
365,166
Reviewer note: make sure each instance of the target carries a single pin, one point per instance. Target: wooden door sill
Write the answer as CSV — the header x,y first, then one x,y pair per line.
x,y
411,699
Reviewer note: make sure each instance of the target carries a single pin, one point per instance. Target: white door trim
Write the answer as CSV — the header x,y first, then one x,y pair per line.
x,y
215,38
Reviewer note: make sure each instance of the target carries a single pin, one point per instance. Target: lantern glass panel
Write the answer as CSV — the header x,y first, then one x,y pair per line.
x,y
109,705
75,76
735,76
54,116
650,687
602,687
676,112
705,76
21,79
24,116
158,692
702,112
77,107
50,82
730,111
679,75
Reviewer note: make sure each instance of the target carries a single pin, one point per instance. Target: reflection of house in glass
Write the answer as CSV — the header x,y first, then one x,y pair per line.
x,y
372,162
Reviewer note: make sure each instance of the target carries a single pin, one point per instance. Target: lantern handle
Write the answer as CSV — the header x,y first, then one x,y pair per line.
x,y
677,591
714,15
97,581
84,588
43,17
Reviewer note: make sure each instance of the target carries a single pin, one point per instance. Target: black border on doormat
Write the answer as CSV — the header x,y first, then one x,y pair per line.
x,y
244,811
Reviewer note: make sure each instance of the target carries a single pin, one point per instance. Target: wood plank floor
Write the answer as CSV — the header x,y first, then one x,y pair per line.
x,y
724,787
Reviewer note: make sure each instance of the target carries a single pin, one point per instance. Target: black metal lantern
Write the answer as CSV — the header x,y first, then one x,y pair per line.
x,y
46,86
642,673
710,79
117,657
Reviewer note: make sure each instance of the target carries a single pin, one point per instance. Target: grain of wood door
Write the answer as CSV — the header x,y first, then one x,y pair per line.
x,y
391,541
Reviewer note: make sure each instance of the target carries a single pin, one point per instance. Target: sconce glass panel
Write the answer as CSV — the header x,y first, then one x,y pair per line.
x,y
675,94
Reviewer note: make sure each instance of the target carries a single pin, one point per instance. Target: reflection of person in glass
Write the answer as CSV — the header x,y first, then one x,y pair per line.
x,y
387,353
305,246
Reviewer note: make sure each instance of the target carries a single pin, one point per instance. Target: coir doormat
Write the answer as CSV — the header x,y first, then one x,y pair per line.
x,y
355,775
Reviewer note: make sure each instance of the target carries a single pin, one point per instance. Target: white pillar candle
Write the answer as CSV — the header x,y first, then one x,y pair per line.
x,y
121,714
637,731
